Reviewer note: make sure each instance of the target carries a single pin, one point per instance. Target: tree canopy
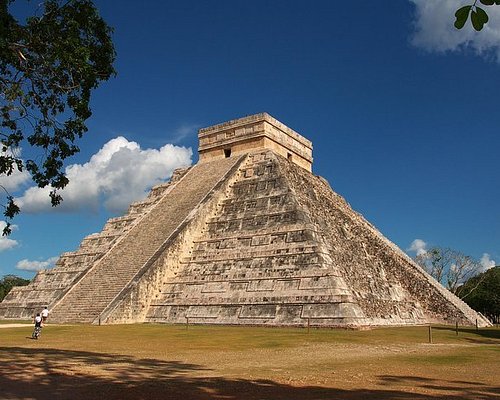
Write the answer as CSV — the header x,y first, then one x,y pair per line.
x,y
449,267
484,292
49,66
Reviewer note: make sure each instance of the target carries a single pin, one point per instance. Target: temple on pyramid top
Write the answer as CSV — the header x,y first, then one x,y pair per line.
x,y
259,131
246,236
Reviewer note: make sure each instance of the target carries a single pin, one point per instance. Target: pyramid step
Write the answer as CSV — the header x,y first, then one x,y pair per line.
x,y
111,274
279,248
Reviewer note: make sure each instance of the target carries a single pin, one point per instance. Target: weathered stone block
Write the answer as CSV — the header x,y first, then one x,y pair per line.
x,y
246,236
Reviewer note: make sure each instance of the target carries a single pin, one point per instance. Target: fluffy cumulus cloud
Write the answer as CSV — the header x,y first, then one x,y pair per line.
x,y
17,179
5,242
418,246
487,262
14,181
27,265
118,174
434,30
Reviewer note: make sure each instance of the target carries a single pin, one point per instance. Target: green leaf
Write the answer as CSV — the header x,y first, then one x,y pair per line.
x,y
7,230
462,14
488,2
49,66
478,18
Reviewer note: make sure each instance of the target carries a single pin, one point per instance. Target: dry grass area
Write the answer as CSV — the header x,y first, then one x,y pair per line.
x,y
203,362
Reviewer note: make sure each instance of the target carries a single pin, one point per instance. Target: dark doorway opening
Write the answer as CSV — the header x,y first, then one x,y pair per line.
x,y
227,153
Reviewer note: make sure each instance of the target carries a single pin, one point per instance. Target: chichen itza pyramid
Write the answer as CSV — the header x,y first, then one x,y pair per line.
x,y
248,235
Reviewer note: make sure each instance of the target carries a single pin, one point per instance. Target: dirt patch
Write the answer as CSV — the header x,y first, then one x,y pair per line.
x,y
192,365
14,325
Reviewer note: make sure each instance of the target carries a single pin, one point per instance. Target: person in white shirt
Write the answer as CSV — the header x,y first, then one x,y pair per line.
x,y
38,327
45,314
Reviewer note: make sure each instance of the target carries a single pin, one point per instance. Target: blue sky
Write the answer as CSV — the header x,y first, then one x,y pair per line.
x,y
402,111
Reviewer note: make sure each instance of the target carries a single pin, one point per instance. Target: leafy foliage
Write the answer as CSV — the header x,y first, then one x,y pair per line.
x,y
485,293
48,68
8,282
478,16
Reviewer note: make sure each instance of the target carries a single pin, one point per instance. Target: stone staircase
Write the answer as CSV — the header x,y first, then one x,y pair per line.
x,y
109,276
49,286
250,240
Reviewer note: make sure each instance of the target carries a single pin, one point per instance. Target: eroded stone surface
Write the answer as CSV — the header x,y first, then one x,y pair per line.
x,y
49,286
247,236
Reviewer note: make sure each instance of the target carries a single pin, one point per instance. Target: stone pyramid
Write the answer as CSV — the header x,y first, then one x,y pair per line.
x,y
248,235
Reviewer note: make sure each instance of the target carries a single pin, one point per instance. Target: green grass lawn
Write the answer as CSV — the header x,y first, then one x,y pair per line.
x,y
206,337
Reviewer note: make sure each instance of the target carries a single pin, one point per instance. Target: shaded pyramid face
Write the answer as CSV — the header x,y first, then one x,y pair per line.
x,y
283,249
246,236
259,260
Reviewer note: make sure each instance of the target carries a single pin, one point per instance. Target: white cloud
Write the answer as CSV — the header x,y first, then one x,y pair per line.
x,y
418,246
184,131
118,174
28,265
5,242
487,262
434,30
14,181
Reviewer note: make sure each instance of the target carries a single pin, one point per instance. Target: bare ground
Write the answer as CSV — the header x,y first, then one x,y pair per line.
x,y
88,363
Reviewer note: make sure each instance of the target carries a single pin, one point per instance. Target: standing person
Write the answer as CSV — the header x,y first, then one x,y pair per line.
x,y
38,327
45,315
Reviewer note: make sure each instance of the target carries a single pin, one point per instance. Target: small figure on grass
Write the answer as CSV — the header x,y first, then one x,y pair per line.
x,y
38,327
45,315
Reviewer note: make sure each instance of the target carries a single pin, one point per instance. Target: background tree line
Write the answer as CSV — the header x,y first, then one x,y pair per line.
x,y
8,282
484,293
466,278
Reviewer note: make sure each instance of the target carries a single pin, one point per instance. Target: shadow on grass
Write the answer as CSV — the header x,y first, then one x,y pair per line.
x,y
479,336
44,374
466,389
